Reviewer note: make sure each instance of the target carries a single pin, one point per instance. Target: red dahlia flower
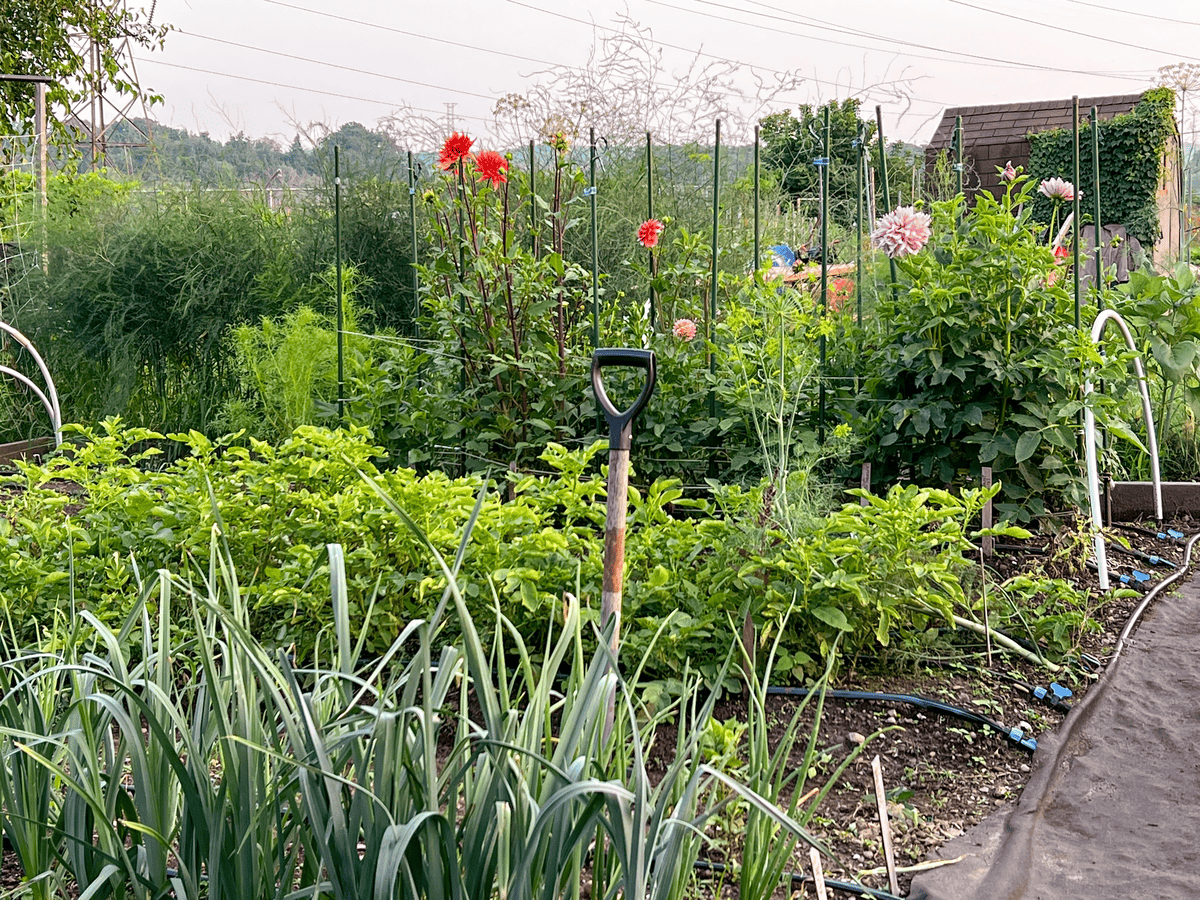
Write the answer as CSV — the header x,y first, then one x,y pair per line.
x,y
491,167
648,232
457,147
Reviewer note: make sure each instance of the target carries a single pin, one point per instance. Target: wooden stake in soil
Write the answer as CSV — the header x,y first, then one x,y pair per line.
x,y
986,477
865,483
818,877
885,826
987,628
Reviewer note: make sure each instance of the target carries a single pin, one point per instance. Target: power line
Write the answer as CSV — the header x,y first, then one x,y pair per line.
x,y
319,62
692,51
426,37
1094,37
973,58
1140,15
543,62
295,87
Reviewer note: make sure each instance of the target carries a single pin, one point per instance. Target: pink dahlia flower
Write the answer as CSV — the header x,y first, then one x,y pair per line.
x,y
901,232
648,232
1058,189
685,329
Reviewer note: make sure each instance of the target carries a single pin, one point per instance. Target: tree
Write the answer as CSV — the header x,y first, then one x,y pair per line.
x,y
36,38
790,146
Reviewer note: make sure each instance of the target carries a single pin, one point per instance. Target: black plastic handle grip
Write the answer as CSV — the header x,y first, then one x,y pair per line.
x,y
619,421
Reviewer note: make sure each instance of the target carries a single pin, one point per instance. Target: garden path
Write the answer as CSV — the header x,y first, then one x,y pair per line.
x,y
1113,807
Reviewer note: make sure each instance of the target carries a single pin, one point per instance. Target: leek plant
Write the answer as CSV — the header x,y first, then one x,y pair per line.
x,y
139,765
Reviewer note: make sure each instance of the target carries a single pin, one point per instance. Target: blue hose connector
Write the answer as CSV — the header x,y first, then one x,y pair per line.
x,y
1017,736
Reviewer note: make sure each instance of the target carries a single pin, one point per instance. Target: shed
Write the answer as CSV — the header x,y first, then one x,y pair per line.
x,y
998,134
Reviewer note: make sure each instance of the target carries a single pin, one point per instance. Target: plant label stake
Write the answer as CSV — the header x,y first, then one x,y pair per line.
x,y
620,434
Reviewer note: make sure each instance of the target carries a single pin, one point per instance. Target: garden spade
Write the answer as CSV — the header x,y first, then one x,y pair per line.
x,y
620,433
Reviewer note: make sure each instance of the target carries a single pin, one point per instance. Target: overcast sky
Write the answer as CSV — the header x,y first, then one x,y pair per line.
x,y
261,66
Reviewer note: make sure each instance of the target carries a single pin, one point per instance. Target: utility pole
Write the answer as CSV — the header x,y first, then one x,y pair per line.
x,y
99,112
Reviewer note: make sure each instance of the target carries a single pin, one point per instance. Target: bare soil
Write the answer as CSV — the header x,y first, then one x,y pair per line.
x,y
942,775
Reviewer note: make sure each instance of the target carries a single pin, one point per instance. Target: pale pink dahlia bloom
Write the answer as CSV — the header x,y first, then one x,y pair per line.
x,y
685,329
1058,189
901,232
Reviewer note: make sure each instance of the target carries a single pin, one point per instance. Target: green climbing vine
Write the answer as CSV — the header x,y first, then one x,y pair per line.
x,y
1132,150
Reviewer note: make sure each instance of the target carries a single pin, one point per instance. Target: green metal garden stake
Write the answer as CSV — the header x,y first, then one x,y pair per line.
x,y
1075,202
1097,222
650,215
958,151
533,223
590,191
887,200
757,195
620,439
337,243
412,221
823,164
861,143
712,294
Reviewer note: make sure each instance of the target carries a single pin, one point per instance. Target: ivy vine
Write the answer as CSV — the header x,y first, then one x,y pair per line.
x,y
1132,148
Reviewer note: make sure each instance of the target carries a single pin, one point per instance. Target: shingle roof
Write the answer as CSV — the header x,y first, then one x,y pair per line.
x,y
1009,123
996,135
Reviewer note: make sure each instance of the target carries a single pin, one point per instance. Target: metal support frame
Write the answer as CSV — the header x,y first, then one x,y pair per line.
x,y
49,397
1089,430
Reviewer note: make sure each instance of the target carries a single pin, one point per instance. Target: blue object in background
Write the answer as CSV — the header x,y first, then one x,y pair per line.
x,y
782,256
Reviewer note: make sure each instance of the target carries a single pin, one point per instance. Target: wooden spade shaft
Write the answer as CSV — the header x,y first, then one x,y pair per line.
x,y
614,543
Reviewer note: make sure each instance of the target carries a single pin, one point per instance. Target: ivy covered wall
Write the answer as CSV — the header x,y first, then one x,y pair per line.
x,y
1133,150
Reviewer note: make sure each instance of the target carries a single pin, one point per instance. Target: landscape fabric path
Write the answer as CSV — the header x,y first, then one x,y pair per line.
x,y
1113,806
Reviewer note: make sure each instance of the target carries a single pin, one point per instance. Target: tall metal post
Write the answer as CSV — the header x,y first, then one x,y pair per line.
x,y
861,143
887,200
1097,222
712,294
650,215
412,221
42,168
1075,204
823,169
591,192
757,195
958,150
533,208
337,243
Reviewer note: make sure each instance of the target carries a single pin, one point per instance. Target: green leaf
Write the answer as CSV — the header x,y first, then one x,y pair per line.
x,y
1027,445
832,616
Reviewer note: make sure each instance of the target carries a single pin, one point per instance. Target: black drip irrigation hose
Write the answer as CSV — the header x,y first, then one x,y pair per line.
x,y
800,878
1053,696
1155,591
1169,534
1137,580
1151,558
1015,735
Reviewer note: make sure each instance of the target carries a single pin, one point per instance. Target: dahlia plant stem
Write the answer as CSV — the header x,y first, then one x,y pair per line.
x,y
510,309
462,270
